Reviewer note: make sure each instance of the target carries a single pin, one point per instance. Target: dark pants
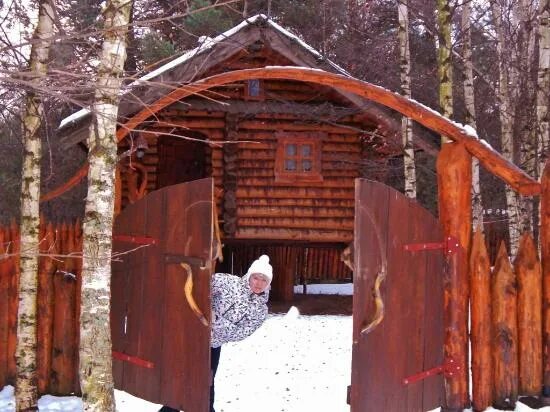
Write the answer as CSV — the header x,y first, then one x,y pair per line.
x,y
214,362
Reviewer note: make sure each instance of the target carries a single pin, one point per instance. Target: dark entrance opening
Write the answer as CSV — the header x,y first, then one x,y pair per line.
x,y
180,159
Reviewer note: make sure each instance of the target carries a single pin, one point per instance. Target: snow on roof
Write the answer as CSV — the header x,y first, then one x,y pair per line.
x,y
207,43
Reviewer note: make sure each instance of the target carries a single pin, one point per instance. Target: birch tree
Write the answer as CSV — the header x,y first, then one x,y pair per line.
x,y
96,379
444,62
526,98
543,86
406,123
506,123
470,109
26,392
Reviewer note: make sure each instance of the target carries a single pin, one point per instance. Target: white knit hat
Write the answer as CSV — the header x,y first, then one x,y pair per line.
x,y
261,265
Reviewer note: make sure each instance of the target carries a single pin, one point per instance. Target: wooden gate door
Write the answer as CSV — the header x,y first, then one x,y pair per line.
x,y
161,349
409,337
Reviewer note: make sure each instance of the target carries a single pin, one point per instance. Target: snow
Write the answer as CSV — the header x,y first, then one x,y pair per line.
x,y
293,363
326,289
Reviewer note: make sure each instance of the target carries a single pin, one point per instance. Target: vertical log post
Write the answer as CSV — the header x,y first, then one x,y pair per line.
x,y
44,321
15,246
545,253
482,361
505,340
454,177
529,278
4,308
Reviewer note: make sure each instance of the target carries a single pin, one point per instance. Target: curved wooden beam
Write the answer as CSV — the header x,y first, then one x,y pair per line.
x,y
490,159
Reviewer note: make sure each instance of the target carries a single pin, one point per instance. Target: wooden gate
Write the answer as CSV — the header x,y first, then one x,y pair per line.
x,y
409,337
161,349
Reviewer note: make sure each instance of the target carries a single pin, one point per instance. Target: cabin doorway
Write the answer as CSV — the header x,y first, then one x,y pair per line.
x,y
181,159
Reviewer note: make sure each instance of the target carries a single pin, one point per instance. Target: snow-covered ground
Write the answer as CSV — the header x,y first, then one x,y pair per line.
x,y
293,363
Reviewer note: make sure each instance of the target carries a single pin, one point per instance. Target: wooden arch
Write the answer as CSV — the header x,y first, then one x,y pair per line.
x,y
490,159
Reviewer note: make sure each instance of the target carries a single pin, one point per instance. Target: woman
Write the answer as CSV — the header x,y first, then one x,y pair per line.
x,y
239,307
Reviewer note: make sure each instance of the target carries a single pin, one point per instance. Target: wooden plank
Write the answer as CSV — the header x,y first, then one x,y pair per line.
x,y
301,223
529,278
295,234
13,300
306,203
481,325
505,340
321,212
370,247
188,215
64,336
298,192
545,260
137,379
45,304
5,275
434,328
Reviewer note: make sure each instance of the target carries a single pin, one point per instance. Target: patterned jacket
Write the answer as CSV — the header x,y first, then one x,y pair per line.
x,y
236,311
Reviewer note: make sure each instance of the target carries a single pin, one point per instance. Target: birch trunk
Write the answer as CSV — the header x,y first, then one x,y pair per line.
x,y
506,121
469,102
444,63
526,99
543,86
95,367
26,389
406,123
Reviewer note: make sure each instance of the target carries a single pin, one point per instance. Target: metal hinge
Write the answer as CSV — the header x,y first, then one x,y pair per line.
x,y
450,368
449,246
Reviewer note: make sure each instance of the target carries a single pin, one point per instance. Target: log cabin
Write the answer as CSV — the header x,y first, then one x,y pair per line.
x,y
284,154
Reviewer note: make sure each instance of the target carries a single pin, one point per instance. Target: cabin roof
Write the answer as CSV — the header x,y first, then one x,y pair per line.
x,y
207,44
195,64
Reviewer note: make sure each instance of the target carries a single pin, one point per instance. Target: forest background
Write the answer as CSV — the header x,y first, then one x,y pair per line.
x,y
360,36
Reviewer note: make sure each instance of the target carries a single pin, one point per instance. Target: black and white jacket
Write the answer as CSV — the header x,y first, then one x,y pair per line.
x,y
236,311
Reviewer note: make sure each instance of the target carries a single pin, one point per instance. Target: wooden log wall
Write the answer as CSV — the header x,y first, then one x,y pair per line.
x,y
58,306
262,208
506,325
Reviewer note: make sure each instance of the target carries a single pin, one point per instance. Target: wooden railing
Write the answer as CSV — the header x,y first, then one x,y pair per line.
x,y
58,306
506,324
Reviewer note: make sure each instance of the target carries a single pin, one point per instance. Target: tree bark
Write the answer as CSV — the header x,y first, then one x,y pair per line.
x,y
406,123
95,352
506,122
26,393
543,86
470,116
444,62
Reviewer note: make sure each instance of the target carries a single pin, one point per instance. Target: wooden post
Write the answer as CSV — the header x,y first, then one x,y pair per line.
x,y
13,305
482,361
454,177
545,257
47,267
4,309
529,279
505,332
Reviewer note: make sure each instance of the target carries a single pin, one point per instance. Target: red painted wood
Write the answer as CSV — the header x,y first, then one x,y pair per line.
x,y
409,339
148,297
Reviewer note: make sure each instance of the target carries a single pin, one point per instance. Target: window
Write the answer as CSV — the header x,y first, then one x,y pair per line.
x,y
254,89
298,158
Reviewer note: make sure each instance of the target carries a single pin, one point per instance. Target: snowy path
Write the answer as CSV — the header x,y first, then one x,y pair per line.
x,y
291,364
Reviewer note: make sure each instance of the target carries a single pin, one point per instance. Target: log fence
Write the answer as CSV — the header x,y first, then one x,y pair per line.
x,y
506,324
506,309
59,281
